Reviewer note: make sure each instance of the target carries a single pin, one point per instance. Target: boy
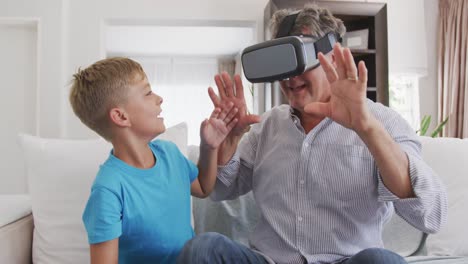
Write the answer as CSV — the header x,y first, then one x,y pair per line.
x,y
139,207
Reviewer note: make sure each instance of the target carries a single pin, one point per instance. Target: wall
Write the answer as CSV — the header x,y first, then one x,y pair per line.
x,y
31,89
50,65
428,84
18,74
413,51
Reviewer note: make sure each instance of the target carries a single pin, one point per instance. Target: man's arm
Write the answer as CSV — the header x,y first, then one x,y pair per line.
x,y
347,106
105,252
426,208
403,174
228,149
390,158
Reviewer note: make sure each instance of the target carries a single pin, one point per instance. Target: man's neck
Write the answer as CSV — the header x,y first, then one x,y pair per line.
x,y
308,122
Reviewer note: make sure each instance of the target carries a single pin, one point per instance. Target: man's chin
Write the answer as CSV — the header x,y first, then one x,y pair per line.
x,y
297,106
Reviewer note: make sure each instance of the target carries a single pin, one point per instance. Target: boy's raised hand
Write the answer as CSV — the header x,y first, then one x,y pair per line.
x,y
214,130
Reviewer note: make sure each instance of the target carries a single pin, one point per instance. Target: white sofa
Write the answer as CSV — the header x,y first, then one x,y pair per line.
x,y
45,226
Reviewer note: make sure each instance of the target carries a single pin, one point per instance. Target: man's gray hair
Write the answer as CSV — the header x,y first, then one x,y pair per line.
x,y
318,20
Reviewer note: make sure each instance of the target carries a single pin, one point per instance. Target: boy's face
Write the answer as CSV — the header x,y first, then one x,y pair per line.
x,y
144,109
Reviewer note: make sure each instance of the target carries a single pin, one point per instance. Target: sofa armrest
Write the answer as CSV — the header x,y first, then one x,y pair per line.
x,y
16,241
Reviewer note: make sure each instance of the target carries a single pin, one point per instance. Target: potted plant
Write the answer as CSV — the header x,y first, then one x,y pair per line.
x,y
426,121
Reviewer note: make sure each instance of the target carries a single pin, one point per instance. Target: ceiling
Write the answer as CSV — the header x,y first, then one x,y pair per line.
x,y
177,40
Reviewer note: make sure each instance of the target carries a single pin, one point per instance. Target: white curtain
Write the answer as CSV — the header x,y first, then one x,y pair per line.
x,y
183,84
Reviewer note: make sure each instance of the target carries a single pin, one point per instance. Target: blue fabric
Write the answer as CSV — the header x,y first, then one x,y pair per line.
x,y
147,209
212,247
216,248
375,255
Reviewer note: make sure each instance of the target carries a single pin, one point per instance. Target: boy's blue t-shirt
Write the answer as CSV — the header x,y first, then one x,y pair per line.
x,y
147,209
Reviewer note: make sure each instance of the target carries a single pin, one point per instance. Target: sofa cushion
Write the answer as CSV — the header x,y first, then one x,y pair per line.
x,y
448,157
60,173
437,260
235,219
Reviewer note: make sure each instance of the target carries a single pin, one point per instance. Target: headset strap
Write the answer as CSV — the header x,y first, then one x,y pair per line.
x,y
286,26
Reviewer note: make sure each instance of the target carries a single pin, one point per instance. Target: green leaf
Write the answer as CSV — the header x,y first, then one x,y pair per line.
x,y
438,129
425,122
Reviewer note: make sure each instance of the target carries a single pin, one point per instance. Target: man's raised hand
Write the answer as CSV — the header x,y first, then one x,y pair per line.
x,y
230,92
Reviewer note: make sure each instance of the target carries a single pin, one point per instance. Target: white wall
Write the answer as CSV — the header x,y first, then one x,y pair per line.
x,y
428,84
18,75
34,93
412,36
50,64
406,37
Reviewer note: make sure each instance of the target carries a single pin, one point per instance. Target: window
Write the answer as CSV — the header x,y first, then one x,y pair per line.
x,y
404,97
183,84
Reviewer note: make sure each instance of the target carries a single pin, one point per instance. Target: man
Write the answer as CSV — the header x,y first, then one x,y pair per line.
x,y
326,171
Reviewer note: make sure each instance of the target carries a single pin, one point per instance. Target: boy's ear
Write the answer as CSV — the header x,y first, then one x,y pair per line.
x,y
119,117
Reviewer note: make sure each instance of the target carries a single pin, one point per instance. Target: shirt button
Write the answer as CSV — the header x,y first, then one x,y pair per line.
x,y
299,218
306,145
301,181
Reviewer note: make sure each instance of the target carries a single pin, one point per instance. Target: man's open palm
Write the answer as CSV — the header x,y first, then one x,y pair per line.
x,y
233,93
347,105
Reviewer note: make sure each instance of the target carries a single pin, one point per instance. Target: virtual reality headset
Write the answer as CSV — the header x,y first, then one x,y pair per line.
x,y
286,56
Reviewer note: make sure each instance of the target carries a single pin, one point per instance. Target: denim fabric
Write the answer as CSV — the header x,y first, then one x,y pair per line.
x,y
375,255
216,248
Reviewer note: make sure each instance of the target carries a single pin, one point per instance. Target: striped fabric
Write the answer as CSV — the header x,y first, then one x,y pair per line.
x,y
320,194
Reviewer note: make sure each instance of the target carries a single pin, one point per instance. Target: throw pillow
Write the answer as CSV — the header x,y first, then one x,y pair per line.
x,y
60,173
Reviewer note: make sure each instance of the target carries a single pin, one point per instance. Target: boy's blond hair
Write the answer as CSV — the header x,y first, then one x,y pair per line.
x,y
100,87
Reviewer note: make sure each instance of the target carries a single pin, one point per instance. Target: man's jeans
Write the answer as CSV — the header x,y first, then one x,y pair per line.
x,y
216,248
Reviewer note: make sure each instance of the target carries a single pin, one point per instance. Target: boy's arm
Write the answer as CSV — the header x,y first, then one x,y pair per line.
x,y
207,170
213,131
105,252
